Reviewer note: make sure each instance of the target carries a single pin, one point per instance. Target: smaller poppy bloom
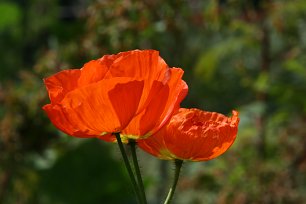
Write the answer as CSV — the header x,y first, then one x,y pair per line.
x,y
193,135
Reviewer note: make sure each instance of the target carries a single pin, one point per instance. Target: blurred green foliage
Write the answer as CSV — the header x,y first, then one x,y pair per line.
x,y
245,55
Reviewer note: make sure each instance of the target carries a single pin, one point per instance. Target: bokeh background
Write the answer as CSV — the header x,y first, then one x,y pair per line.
x,y
237,54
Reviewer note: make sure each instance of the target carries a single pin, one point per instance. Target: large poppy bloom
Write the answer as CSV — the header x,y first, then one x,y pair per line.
x,y
193,135
134,93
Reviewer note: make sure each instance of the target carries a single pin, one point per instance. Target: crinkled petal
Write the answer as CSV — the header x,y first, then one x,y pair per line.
x,y
201,135
155,145
193,135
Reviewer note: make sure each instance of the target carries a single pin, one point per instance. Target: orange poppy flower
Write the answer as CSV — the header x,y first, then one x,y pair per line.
x,y
134,93
193,135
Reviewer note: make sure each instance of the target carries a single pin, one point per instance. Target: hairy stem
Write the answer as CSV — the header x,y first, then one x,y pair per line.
x,y
178,164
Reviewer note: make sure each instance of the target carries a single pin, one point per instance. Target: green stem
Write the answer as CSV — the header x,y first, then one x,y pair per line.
x,y
128,167
132,144
178,165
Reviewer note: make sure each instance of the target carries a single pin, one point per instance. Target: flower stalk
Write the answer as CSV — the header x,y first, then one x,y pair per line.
x,y
128,168
132,144
178,164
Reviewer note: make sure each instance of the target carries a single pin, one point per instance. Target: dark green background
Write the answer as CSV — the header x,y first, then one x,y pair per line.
x,y
236,54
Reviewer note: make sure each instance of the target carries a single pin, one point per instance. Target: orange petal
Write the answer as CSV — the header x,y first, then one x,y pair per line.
x,y
145,121
164,100
92,72
103,107
178,90
60,120
200,135
139,64
125,100
60,84
193,135
155,145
